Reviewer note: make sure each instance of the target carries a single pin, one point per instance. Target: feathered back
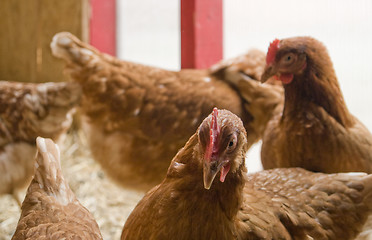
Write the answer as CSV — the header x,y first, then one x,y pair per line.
x,y
29,110
251,64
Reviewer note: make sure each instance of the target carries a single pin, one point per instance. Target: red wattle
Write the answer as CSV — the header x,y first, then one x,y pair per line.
x,y
224,170
286,78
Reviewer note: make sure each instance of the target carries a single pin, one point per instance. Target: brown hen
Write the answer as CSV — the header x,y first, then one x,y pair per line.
x,y
137,116
273,204
50,209
28,110
315,130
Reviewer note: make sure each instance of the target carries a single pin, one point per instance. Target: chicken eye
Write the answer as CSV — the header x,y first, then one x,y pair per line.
x,y
288,59
232,143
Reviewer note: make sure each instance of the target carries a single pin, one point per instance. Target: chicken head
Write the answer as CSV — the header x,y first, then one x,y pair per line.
x,y
283,60
223,144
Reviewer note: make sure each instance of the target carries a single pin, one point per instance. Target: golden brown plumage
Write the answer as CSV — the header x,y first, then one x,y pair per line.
x,y
273,204
262,102
251,64
137,116
28,110
315,130
50,209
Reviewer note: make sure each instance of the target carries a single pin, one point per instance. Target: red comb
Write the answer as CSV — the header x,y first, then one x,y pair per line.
x,y
214,125
214,131
271,52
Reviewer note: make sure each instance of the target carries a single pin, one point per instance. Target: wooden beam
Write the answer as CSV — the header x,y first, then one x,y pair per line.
x,y
103,25
201,33
27,28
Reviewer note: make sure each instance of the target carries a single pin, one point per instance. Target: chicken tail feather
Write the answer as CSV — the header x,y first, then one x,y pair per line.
x,y
68,47
48,172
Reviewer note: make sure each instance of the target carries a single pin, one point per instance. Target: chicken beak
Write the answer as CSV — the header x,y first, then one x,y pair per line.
x,y
210,171
268,73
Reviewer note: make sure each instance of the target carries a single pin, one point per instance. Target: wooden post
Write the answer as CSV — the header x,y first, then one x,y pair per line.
x,y
27,28
201,33
103,25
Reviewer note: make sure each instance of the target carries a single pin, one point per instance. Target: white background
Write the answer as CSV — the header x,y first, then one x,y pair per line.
x,y
148,32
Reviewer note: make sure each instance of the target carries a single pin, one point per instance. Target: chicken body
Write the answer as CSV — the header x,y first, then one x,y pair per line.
x,y
50,209
28,110
136,116
273,204
315,130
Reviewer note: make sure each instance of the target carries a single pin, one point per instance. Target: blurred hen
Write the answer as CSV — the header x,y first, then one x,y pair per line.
x,y
137,116
28,110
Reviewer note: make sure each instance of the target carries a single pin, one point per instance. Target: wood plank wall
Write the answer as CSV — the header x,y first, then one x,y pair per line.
x,y
103,25
27,28
201,33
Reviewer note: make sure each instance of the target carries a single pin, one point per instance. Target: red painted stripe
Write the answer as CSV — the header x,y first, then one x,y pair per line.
x,y
201,33
103,25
